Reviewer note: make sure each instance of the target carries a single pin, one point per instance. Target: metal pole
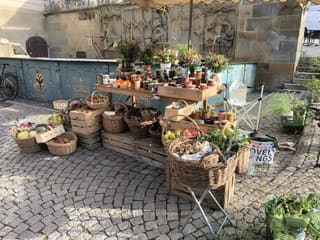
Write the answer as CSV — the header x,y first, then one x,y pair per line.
x,y
190,24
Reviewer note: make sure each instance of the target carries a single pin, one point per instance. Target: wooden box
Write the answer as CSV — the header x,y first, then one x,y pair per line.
x,y
223,194
171,112
243,163
46,136
91,141
120,142
187,93
86,121
150,153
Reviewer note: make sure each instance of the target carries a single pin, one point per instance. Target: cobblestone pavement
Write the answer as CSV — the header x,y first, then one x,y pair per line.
x,y
102,194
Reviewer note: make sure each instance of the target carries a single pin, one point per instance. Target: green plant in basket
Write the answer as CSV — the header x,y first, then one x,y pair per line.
x,y
289,215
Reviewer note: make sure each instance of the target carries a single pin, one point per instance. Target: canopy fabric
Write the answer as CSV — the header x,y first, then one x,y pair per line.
x,y
149,4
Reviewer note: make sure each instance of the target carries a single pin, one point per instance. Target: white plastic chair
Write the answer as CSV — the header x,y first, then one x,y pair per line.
x,y
236,102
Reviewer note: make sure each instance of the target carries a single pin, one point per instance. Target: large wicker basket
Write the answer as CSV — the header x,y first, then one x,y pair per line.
x,y
63,149
104,104
28,145
165,123
213,170
115,123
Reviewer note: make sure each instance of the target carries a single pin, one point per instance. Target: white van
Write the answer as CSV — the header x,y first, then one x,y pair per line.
x,y
12,49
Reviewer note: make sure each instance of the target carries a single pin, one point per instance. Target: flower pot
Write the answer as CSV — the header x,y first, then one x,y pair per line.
x,y
165,66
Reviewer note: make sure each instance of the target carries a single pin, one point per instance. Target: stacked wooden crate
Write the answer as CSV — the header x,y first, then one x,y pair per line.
x,y
87,124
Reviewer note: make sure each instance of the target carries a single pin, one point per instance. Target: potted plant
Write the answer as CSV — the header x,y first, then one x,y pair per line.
x,y
146,55
165,57
291,109
188,58
129,50
217,63
293,217
313,86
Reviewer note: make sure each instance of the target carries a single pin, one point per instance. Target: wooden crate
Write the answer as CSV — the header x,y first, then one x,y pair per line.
x,y
85,121
140,148
91,141
187,93
120,142
243,163
46,136
223,194
150,153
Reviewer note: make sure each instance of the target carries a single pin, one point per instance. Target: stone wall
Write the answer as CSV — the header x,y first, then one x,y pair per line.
x,y
22,19
271,35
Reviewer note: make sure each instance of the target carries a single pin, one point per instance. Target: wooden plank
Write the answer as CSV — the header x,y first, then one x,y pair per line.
x,y
120,150
187,93
90,146
120,145
139,93
92,135
126,137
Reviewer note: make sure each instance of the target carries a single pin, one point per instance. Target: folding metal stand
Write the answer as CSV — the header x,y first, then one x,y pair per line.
x,y
198,205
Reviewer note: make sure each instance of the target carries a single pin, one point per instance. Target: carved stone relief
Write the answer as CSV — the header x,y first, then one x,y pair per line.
x,y
213,26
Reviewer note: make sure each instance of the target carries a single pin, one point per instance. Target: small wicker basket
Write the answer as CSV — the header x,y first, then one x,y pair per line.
x,y
213,170
66,148
28,145
104,104
115,123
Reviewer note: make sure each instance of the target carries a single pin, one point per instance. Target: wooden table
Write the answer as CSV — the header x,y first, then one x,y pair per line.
x,y
167,93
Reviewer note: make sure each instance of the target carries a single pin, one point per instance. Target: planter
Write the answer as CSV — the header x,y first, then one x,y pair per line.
x,y
165,66
294,120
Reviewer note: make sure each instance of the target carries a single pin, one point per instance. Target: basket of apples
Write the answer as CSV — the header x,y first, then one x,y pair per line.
x,y
64,144
24,135
97,101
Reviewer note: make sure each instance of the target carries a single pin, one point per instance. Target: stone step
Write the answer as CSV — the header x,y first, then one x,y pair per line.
x,y
306,75
293,86
300,81
304,69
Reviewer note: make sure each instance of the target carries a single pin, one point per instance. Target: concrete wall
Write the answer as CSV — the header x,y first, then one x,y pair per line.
x,y
70,32
270,34
21,19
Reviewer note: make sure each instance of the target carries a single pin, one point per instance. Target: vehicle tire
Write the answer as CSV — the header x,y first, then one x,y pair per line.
x,y
9,87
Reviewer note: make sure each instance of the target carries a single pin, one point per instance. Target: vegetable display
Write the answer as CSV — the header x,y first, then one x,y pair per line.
x,y
290,214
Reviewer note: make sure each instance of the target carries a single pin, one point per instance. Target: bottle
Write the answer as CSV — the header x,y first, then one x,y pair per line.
x,y
237,92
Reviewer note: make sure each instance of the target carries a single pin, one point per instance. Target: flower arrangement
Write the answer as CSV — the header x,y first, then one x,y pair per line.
x,y
129,49
165,55
188,57
217,62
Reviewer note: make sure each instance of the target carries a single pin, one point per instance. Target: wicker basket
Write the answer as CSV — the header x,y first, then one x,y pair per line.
x,y
115,123
63,149
104,104
165,123
137,126
177,114
28,145
213,170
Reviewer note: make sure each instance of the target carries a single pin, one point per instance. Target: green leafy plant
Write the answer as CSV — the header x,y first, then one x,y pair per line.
x,y
289,214
282,103
313,86
188,57
129,50
146,53
315,64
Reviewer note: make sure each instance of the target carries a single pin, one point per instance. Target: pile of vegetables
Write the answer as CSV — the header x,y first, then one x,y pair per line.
x,y
289,215
228,141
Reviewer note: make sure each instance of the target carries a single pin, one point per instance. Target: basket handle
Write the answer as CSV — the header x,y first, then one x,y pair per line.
x,y
183,101
188,118
123,105
218,151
